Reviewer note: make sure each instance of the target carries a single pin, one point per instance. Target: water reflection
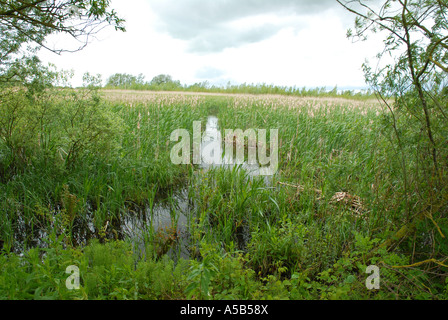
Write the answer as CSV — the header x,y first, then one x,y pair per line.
x,y
177,213
212,153
166,214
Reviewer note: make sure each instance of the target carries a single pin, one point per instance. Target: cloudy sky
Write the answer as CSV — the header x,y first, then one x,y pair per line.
x,y
281,42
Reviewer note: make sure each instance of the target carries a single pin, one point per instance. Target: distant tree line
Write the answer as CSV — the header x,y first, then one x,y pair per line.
x,y
164,82
131,82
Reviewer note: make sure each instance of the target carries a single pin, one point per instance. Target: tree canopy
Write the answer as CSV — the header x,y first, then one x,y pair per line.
x,y
412,84
25,24
416,33
161,79
125,81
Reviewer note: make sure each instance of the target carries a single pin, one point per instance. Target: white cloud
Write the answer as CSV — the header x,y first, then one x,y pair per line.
x,y
285,42
211,26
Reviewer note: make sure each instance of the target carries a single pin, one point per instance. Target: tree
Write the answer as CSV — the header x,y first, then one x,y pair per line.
x,y
161,79
31,21
413,89
125,81
28,106
419,29
165,82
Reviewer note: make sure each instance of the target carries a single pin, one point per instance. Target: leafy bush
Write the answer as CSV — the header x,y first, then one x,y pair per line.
x,y
281,247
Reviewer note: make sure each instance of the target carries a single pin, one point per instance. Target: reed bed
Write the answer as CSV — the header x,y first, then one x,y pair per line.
x,y
337,192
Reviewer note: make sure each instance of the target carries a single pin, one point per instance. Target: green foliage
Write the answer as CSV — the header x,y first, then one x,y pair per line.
x,y
412,88
161,79
113,271
309,232
39,274
109,271
201,274
80,160
279,248
125,81
56,124
162,82
30,22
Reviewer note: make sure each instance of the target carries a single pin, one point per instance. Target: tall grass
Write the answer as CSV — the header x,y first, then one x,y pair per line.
x,y
338,186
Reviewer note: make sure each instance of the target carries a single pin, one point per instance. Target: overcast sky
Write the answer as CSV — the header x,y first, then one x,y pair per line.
x,y
281,42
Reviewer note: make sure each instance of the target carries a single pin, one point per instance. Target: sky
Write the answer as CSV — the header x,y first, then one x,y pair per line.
x,y
298,43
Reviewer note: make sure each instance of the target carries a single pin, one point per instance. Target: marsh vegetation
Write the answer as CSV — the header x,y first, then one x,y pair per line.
x,y
98,189
87,178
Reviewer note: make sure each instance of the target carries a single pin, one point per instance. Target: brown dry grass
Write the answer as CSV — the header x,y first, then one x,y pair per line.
x,y
292,102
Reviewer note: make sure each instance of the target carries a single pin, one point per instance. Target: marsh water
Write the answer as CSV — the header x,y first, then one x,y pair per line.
x,y
181,207
167,213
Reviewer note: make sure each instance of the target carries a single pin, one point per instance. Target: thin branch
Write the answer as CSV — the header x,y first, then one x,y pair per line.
x,y
375,21
12,11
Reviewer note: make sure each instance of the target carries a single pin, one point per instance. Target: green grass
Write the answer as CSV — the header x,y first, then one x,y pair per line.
x,y
309,233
